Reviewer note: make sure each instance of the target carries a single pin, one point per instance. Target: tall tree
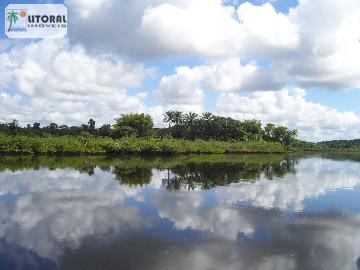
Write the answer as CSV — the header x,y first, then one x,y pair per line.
x,y
105,130
36,126
190,118
178,117
169,117
253,129
13,126
269,132
141,123
53,128
207,116
91,124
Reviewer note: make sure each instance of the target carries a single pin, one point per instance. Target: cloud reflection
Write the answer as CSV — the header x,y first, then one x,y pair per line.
x,y
70,215
47,211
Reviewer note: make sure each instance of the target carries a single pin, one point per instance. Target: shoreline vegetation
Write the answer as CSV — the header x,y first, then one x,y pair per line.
x,y
78,145
135,134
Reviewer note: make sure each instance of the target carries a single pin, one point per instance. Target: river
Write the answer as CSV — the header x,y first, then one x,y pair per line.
x,y
188,212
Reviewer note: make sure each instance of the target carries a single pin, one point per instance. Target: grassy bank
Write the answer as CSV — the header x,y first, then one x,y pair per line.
x,y
62,145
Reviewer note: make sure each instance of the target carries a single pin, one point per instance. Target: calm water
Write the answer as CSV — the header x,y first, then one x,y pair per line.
x,y
194,212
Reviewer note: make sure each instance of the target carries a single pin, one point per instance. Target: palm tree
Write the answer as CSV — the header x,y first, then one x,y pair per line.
x,y
207,116
173,117
91,124
12,18
178,117
206,124
169,117
190,118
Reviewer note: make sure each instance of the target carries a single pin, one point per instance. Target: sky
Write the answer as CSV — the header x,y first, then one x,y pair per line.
x,y
292,63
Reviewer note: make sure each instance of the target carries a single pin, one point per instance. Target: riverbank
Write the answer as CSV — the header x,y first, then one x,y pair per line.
x,y
322,147
89,145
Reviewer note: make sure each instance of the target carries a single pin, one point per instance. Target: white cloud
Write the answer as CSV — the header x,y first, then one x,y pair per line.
x,y
65,84
312,49
152,27
290,108
266,29
317,43
192,28
245,47
187,86
230,75
330,43
207,28
181,91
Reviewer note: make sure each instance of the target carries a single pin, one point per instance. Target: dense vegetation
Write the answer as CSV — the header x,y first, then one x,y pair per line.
x,y
135,133
342,144
84,144
332,146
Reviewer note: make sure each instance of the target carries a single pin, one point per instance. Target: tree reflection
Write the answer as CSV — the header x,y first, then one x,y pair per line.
x,y
210,175
138,176
184,172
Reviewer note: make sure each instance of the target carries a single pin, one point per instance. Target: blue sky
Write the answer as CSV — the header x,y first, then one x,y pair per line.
x,y
168,57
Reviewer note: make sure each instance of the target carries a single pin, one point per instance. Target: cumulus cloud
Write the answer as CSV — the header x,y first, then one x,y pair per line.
x,y
186,89
190,28
300,46
330,43
58,82
289,107
268,32
227,75
181,89
238,46
313,51
316,43
155,28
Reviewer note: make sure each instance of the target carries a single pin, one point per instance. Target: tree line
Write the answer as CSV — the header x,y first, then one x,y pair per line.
x,y
341,144
185,126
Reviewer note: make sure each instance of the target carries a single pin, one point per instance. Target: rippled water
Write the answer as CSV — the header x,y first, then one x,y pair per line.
x,y
189,212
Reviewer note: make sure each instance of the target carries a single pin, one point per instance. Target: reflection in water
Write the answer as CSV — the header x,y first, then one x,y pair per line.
x,y
61,207
209,175
186,172
322,242
227,212
314,178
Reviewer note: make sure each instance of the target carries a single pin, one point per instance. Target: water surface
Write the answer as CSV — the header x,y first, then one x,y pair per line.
x,y
188,212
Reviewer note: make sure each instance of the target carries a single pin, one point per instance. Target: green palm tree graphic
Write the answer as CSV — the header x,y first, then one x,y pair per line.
x,y
12,18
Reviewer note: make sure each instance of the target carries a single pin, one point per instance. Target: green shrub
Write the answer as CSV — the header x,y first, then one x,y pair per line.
x,y
88,144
